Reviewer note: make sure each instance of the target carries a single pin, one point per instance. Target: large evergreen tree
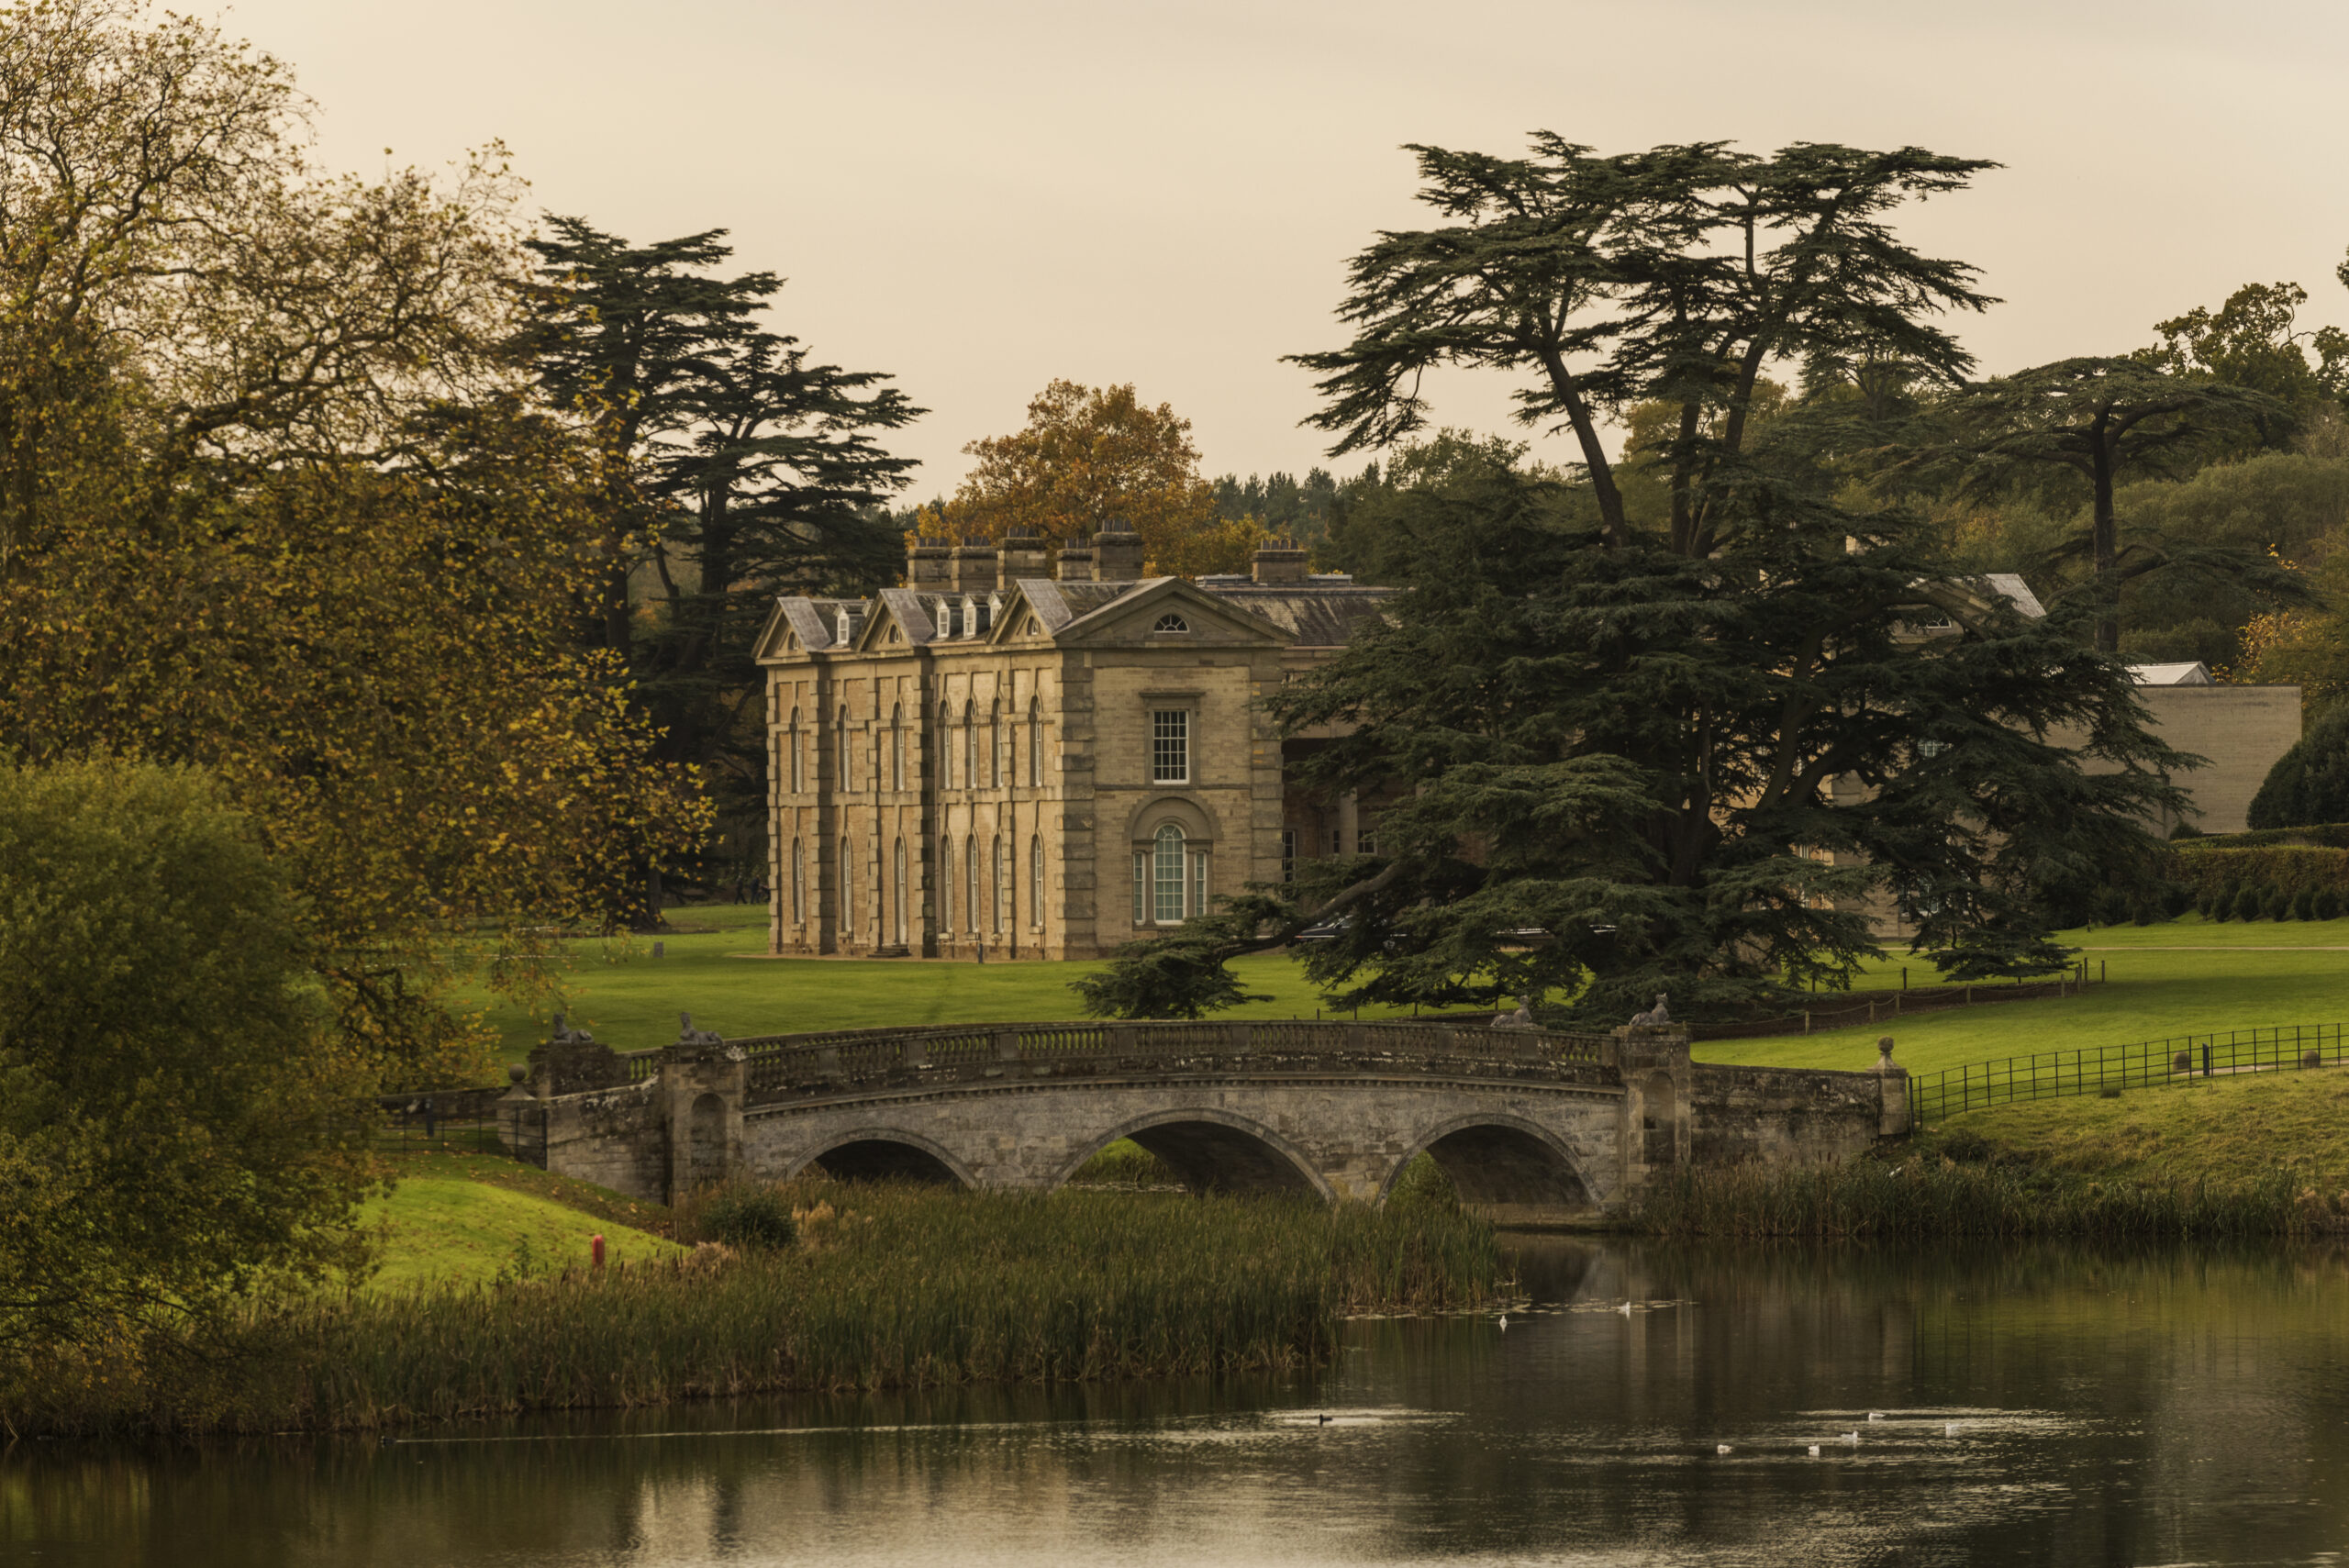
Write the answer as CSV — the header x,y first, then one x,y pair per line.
x,y
1632,749
733,465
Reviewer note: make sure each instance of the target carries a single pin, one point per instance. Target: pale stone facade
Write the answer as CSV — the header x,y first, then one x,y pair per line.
x,y
1041,757
1046,754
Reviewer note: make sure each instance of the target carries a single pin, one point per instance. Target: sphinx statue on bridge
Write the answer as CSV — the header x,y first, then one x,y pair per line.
x,y
1656,1018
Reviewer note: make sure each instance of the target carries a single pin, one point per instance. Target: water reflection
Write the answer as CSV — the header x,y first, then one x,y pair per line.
x,y
2165,1409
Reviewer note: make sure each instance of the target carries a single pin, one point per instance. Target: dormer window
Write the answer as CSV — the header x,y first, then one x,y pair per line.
x,y
1172,622
967,618
841,624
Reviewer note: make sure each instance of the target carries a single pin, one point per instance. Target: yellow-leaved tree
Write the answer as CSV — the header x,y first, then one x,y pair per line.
x,y
1090,454
275,501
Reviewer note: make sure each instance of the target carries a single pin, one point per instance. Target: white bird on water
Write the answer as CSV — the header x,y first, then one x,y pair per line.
x,y
1504,1322
1950,1430
1814,1450
1875,1415
1851,1438
1625,1309
1720,1448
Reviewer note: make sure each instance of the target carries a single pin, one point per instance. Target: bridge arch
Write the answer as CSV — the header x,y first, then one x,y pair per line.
x,y
1507,1166
884,1153
1214,1151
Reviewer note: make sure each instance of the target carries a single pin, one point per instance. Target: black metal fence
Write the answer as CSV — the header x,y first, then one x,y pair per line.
x,y
2144,1064
463,1122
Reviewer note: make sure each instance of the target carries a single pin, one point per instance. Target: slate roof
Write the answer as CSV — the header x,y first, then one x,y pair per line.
x,y
2191,673
1317,615
2018,593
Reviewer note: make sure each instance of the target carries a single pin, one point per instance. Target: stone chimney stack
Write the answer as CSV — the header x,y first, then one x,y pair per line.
x,y
1075,562
927,569
1279,561
974,566
1023,556
1116,553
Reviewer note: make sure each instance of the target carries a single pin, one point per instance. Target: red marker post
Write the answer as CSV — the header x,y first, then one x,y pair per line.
x,y
595,1251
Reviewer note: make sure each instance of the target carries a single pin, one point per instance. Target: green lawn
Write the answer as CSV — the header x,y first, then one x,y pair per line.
x,y
2180,978
2216,1130
630,999
2220,981
458,1220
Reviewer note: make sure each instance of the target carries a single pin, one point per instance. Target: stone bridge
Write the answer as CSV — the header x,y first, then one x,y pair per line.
x,y
1532,1127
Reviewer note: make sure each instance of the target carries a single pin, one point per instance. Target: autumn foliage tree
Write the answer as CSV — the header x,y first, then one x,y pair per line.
x,y
1086,455
275,501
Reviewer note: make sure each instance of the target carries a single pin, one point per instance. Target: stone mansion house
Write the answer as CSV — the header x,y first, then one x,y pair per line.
x,y
1041,754
1045,754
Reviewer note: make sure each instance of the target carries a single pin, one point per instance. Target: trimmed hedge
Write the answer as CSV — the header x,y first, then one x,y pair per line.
x,y
2211,867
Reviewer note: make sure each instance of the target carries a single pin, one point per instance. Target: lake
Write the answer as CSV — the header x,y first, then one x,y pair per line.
x,y
2019,1407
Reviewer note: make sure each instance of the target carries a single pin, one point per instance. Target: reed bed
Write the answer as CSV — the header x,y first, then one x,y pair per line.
x,y
1931,1199
882,1287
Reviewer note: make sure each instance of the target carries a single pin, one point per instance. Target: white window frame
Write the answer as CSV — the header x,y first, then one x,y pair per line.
x,y
1036,881
1170,739
1170,877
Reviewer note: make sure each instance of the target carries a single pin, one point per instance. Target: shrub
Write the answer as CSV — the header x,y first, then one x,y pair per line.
x,y
2309,783
2276,904
747,1216
2328,904
176,1119
2247,903
2304,905
2223,903
2177,897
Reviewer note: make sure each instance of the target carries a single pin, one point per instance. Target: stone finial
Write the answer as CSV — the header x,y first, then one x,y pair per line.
x,y
1884,1055
1655,1016
1520,1019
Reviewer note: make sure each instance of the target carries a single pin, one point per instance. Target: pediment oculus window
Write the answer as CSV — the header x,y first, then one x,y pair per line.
x,y
1170,621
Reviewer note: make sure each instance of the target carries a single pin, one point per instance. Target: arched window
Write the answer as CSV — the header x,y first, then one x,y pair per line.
x,y
898,893
798,884
971,883
995,885
791,740
841,739
1171,622
970,745
1166,876
848,878
897,748
999,770
945,757
1035,741
946,885
1036,882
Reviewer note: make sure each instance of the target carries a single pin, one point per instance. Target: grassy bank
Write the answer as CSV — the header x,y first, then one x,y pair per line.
x,y
2261,1155
443,1225
2174,978
2177,978
723,976
882,1287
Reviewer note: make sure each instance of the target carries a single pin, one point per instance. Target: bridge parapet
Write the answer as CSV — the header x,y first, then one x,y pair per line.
x,y
783,1068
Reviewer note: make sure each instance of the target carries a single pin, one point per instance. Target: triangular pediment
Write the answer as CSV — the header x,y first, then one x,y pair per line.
x,y
1170,612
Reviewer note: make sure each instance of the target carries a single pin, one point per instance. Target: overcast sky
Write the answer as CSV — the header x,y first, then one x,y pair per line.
x,y
977,198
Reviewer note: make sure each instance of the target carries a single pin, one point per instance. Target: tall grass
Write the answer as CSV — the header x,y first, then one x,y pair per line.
x,y
884,1287
1927,1198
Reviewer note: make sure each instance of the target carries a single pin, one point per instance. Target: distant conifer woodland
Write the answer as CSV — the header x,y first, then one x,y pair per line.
x,y
381,562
